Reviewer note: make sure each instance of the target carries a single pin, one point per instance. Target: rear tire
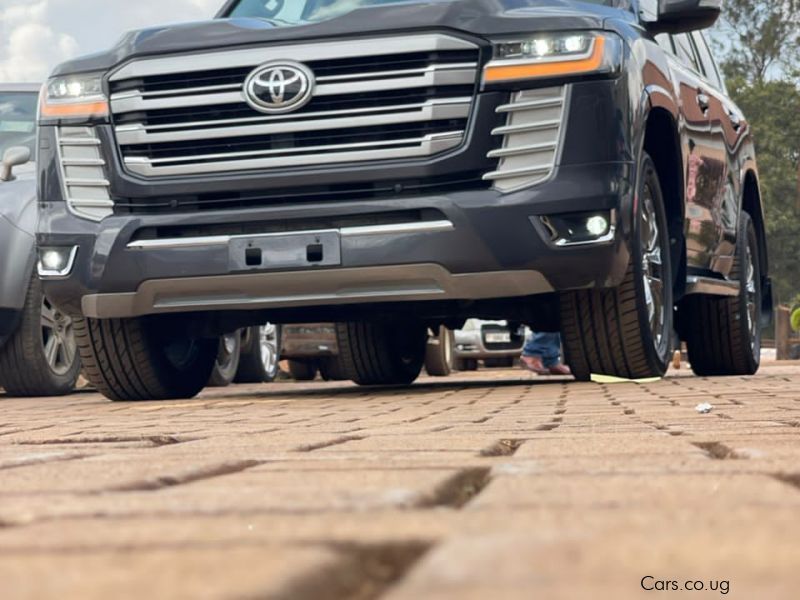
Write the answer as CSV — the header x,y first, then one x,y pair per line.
x,y
140,359
466,364
227,363
505,362
303,370
439,353
386,353
723,334
330,368
627,331
41,357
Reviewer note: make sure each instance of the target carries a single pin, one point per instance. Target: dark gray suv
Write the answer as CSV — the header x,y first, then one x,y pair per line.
x,y
396,166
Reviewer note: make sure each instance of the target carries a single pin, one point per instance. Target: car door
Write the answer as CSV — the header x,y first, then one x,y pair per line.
x,y
703,154
728,128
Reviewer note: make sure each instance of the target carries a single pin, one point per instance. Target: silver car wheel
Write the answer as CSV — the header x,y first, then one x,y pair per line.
x,y
58,339
652,268
268,347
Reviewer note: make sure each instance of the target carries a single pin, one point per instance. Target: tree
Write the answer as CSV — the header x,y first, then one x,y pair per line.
x,y
761,37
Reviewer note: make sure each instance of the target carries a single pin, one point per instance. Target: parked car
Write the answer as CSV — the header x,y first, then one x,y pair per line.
x,y
496,343
38,351
313,348
397,166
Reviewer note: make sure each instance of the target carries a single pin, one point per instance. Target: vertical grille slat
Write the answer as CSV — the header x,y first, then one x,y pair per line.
x,y
197,121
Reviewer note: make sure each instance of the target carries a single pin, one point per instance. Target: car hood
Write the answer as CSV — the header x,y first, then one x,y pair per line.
x,y
481,17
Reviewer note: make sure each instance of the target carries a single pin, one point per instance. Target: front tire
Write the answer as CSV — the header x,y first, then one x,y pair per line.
x,y
723,334
141,359
627,331
41,357
386,353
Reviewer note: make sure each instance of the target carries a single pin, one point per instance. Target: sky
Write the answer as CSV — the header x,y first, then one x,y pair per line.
x,y
36,35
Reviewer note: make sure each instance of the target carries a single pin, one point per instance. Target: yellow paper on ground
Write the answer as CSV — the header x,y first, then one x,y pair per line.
x,y
610,379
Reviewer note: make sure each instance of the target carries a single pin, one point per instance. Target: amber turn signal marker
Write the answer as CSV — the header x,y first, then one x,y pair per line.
x,y
78,109
498,72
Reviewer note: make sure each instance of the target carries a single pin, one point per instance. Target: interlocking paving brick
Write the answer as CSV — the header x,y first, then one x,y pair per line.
x,y
489,484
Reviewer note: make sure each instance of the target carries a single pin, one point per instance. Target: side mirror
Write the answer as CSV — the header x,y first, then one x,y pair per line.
x,y
13,157
683,16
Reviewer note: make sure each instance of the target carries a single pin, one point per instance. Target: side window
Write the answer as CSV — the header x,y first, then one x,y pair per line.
x,y
709,65
684,50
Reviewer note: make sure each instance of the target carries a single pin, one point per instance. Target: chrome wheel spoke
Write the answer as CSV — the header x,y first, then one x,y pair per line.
x,y
51,349
268,344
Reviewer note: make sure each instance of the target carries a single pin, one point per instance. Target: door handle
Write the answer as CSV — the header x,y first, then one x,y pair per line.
x,y
703,101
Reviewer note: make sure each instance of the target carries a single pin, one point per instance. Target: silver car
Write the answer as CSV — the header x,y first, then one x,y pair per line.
x,y
38,353
496,343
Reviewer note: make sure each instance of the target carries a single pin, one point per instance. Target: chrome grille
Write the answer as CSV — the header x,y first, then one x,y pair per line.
x,y
374,99
531,138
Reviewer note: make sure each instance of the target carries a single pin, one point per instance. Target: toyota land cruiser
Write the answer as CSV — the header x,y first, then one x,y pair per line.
x,y
395,166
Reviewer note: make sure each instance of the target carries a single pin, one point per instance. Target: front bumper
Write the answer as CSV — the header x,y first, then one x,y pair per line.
x,y
496,248
472,344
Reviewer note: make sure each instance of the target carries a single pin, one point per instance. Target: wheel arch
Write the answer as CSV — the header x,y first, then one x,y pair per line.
x,y
662,143
753,206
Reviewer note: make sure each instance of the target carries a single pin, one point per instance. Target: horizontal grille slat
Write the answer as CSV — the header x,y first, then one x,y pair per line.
x,y
340,119
530,138
373,100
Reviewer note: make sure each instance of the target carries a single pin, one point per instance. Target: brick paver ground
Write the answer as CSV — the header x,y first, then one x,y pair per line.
x,y
489,485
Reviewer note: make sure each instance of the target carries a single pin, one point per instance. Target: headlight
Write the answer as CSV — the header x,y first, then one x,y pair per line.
x,y
553,55
74,97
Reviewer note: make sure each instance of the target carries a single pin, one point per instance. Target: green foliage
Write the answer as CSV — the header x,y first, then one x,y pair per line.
x,y
760,61
763,35
796,319
773,107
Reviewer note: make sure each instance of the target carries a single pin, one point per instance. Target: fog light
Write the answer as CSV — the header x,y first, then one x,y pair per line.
x,y
56,261
572,229
597,225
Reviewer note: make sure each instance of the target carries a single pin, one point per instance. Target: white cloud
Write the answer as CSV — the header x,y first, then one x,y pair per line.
x,y
36,35
29,46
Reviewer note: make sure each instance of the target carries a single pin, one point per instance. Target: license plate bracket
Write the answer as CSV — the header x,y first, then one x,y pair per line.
x,y
285,251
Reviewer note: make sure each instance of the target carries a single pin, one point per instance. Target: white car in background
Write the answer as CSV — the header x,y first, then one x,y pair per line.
x,y
496,343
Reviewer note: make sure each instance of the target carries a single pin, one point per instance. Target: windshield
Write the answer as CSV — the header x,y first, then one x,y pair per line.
x,y
18,120
296,12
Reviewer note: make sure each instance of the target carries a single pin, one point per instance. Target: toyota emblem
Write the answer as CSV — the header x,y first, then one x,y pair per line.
x,y
279,87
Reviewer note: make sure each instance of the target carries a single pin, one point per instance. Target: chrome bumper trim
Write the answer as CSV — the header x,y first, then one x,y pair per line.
x,y
224,240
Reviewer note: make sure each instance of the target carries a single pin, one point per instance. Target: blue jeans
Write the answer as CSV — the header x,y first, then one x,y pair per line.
x,y
546,346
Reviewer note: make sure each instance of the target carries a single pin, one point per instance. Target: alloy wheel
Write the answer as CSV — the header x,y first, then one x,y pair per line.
x,y
268,347
751,297
58,339
652,267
